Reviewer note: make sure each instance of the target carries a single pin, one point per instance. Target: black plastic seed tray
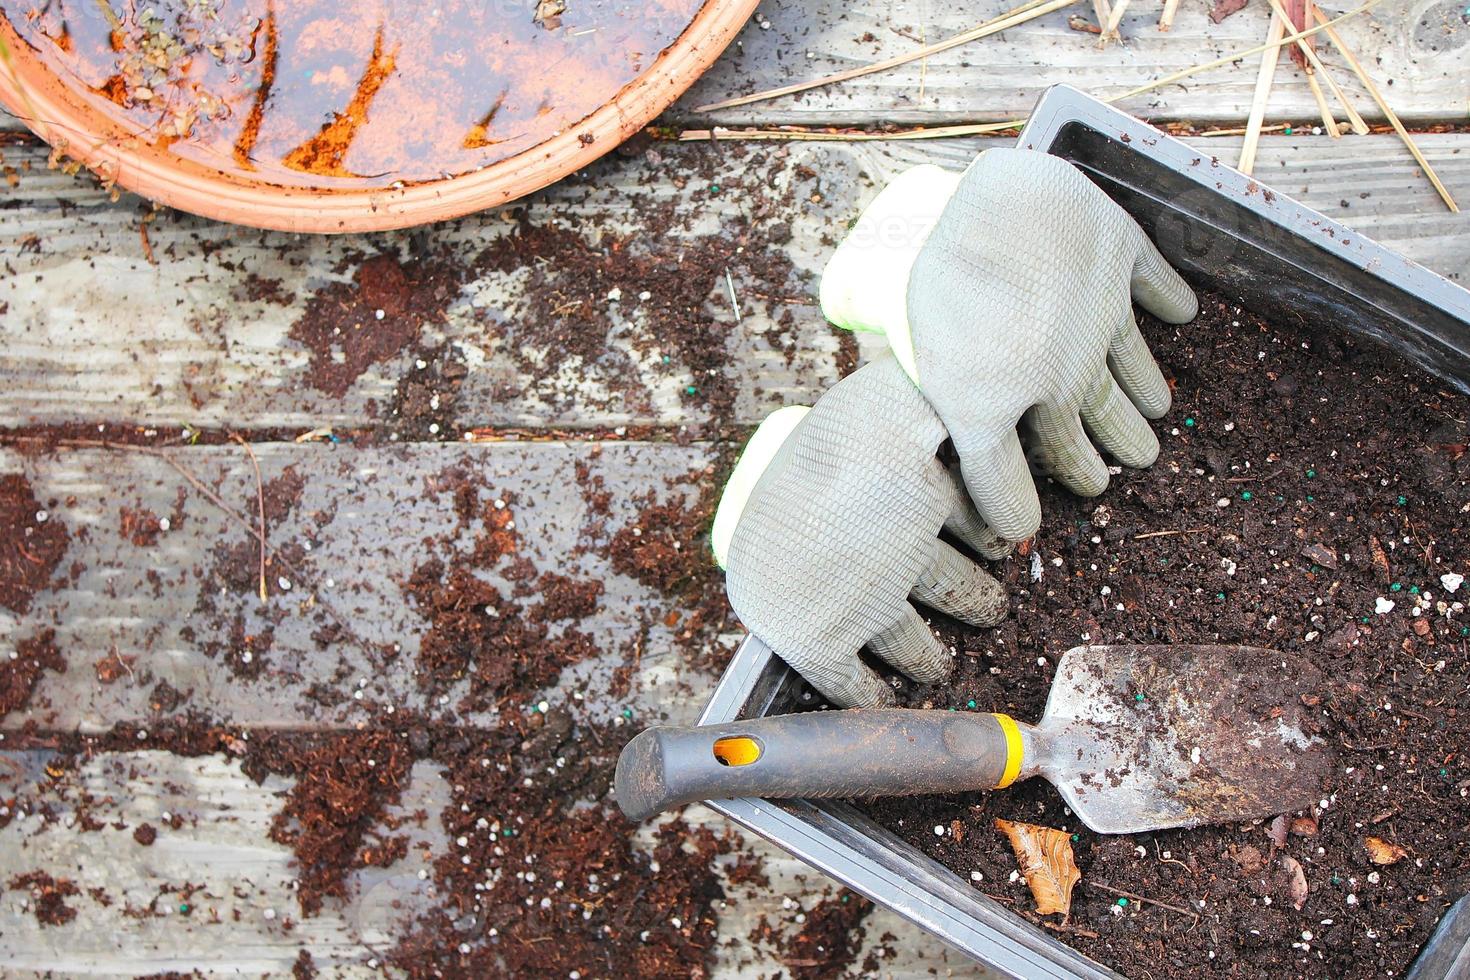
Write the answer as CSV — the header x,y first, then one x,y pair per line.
x,y
1226,233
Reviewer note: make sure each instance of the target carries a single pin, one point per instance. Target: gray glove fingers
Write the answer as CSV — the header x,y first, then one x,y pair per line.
x,y
845,681
964,520
1137,372
956,586
1116,426
1158,288
909,646
1067,455
1000,485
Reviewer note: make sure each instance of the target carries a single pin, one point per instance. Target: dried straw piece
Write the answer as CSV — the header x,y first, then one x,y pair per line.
x,y
1393,119
1166,19
1011,18
995,127
1264,78
1314,63
1110,29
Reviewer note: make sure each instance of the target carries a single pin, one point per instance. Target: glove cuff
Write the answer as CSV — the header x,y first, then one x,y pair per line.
x,y
865,283
769,436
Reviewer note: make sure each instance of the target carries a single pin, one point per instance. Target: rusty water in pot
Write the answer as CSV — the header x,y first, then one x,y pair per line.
x,y
349,95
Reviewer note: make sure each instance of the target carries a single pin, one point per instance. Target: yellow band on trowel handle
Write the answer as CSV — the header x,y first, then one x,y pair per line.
x,y
1013,750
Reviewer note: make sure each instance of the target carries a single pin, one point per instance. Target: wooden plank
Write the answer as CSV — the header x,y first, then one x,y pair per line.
x,y
366,510
363,521
243,881
239,912
204,336
1419,53
184,342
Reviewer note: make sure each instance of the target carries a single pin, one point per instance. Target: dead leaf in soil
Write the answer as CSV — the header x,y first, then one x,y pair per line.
x,y
1320,554
1277,831
1381,851
1296,881
1045,856
1304,826
1248,857
1380,561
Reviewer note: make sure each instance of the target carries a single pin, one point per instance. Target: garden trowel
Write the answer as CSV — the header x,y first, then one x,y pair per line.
x,y
1134,737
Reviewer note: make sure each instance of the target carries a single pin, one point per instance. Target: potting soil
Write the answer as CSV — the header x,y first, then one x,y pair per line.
x,y
1310,496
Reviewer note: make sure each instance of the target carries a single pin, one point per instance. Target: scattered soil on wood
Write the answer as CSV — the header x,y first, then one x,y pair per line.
x,y
237,566
575,885
48,896
605,897
351,326
426,400
343,786
612,310
240,630
1307,480
475,629
666,547
660,306
145,834
32,543
830,935
20,671
304,968
139,525
545,877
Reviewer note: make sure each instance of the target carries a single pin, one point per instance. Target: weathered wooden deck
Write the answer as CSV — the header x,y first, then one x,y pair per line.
x,y
99,333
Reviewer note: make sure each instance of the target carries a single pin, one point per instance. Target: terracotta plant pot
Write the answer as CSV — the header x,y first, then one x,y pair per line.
x,y
86,124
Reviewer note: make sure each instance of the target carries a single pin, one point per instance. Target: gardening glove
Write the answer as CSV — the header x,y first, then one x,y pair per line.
x,y
829,526
1005,294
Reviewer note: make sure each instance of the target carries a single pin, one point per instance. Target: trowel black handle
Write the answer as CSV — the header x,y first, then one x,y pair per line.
x,y
855,753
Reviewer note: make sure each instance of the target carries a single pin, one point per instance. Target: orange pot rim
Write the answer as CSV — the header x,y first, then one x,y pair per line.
x,y
45,103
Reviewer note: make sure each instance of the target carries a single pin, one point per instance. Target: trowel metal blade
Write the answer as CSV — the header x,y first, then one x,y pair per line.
x,y
1147,737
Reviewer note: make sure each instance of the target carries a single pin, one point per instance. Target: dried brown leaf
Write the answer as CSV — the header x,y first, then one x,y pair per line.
x,y
1277,831
1248,857
1320,554
1304,826
1045,856
1381,851
1380,561
1296,880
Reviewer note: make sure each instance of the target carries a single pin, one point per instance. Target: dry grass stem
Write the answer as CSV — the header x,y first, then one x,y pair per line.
x,y
1314,63
1011,18
978,129
1324,24
1166,19
1264,78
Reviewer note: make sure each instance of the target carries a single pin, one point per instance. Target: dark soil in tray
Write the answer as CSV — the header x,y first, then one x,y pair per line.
x,y
1306,481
